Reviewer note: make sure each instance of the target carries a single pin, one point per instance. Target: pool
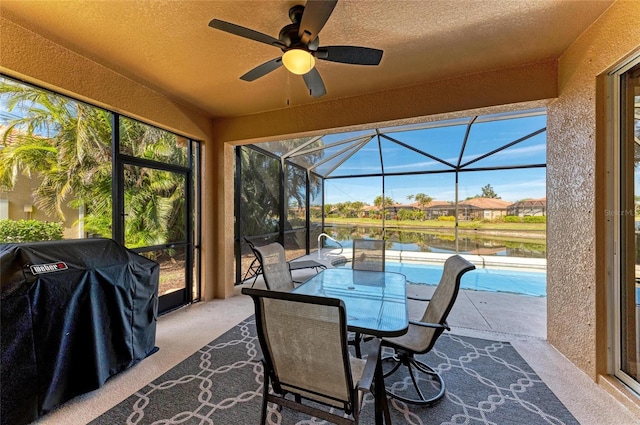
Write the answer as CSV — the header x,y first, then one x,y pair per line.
x,y
481,279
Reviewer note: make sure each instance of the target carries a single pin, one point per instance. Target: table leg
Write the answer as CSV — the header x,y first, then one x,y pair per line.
x,y
382,405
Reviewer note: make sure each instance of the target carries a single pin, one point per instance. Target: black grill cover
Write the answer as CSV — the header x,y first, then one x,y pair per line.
x,y
73,313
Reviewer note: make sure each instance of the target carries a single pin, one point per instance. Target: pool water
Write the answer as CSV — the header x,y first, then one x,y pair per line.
x,y
493,280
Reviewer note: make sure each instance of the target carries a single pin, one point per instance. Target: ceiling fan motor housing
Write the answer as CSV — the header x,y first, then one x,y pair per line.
x,y
295,13
290,37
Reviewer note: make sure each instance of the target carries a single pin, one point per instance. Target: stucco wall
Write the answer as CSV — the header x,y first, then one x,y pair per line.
x,y
507,86
576,313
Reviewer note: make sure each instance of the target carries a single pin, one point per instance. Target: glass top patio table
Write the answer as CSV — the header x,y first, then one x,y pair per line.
x,y
376,302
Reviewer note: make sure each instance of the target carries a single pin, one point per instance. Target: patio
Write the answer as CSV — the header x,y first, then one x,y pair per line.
x,y
520,320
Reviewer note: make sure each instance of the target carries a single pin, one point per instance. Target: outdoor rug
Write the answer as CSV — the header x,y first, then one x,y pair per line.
x,y
488,382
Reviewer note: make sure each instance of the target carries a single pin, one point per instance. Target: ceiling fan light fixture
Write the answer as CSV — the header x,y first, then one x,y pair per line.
x,y
298,61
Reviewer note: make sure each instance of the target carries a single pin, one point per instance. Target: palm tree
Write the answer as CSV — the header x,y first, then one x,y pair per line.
x,y
67,145
423,200
260,211
381,201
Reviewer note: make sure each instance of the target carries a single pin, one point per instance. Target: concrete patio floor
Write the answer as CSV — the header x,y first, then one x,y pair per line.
x,y
520,320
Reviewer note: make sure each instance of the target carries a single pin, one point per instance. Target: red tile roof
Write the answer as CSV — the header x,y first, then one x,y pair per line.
x,y
487,203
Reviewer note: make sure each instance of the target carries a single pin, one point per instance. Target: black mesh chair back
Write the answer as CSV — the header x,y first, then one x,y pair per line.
x,y
304,343
368,254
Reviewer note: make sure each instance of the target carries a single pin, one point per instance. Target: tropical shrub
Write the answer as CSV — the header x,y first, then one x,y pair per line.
x,y
447,218
15,231
512,219
535,219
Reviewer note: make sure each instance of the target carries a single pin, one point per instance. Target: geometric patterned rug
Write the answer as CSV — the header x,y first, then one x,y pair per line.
x,y
487,382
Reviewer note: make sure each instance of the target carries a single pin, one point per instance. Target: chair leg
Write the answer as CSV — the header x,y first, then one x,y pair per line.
x,y
356,343
357,340
413,366
265,396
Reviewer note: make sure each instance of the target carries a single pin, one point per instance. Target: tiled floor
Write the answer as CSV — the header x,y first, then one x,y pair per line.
x,y
518,319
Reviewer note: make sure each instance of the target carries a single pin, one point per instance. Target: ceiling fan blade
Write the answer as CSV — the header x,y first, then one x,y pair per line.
x,y
262,70
314,83
315,15
245,32
350,54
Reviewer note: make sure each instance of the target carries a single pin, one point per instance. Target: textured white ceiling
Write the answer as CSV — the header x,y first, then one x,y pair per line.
x,y
168,45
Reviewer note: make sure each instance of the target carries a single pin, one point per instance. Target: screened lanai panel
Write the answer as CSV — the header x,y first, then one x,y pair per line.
x,y
334,157
443,143
401,159
281,147
487,137
315,210
507,185
356,189
438,187
426,125
296,211
364,160
259,191
296,194
530,151
331,139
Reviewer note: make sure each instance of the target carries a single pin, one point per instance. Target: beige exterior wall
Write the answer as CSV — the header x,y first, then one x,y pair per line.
x,y
20,198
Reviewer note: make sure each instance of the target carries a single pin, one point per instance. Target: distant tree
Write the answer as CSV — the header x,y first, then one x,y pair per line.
x,y
405,215
488,192
355,207
409,197
423,200
383,202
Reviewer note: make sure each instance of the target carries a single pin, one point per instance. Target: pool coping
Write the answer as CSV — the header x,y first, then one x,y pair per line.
x,y
332,257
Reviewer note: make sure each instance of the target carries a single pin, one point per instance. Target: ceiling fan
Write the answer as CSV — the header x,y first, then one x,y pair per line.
x,y
300,45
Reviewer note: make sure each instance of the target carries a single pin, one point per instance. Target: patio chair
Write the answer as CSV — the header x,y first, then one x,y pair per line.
x,y
277,272
275,269
304,344
368,254
420,339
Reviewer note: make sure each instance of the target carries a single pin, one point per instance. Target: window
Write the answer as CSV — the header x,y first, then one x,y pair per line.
x,y
70,170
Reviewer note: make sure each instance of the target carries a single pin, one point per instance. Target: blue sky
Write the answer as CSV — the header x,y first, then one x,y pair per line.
x,y
510,185
446,144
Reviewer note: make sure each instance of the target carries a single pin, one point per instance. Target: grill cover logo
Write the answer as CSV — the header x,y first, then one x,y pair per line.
x,y
48,268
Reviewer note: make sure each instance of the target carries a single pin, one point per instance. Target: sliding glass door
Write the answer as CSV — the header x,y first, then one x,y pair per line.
x,y
627,285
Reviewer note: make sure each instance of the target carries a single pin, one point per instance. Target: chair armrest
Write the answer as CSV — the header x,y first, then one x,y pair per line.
x,y
373,355
429,325
409,297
